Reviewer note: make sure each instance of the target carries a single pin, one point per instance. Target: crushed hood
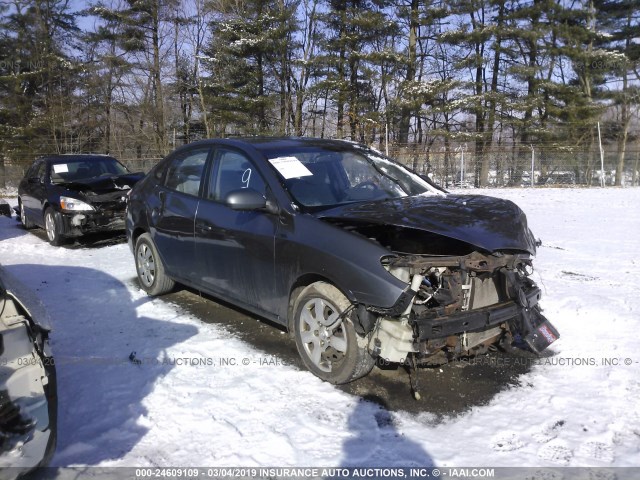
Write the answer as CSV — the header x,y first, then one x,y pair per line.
x,y
100,185
488,223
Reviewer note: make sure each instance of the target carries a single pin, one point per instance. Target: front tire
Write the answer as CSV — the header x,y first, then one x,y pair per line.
x,y
53,227
150,269
326,339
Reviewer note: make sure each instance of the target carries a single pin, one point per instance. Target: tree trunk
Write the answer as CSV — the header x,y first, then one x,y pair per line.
x,y
488,139
182,83
622,143
406,111
625,114
157,81
341,71
353,98
479,108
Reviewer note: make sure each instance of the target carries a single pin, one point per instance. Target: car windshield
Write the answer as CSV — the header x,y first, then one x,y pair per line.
x,y
322,177
74,170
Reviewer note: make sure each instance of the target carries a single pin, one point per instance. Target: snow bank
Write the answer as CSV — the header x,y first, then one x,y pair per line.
x,y
172,403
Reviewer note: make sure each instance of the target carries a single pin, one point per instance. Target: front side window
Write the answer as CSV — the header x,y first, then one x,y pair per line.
x,y
186,170
234,171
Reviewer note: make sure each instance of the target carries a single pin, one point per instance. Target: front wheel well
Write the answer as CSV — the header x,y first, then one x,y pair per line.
x,y
325,336
45,205
303,282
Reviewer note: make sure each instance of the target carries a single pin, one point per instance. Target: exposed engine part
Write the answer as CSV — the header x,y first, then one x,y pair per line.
x,y
401,273
416,281
392,340
77,220
475,261
460,307
473,339
466,292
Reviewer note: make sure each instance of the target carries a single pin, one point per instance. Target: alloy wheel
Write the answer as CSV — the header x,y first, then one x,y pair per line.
x,y
50,226
322,333
146,265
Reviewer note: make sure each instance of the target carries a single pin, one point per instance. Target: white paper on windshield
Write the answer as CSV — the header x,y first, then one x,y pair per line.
x,y
61,168
290,167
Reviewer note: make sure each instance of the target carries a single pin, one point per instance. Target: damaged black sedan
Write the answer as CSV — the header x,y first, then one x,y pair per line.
x,y
359,257
72,195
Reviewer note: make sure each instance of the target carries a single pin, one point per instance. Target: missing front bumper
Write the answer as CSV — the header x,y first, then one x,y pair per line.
x,y
76,224
484,300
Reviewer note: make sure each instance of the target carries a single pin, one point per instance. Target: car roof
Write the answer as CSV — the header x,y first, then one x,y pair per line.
x,y
266,144
65,157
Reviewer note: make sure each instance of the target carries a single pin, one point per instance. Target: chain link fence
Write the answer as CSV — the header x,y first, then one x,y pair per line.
x,y
456,165
520,166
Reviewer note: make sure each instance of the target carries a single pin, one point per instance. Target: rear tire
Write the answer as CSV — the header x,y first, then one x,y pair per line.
x,y
53,227
149,267
26,223
326,339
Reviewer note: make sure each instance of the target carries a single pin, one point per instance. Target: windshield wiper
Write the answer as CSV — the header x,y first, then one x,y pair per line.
x,y
387,175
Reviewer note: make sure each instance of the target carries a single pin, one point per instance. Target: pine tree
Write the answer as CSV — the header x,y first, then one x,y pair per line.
x,y
620,21
423,19
481,29
143,34
37,75
303,68
248,63
353,28
107,67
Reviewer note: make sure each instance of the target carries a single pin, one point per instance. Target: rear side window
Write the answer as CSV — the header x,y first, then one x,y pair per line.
x,y
186,170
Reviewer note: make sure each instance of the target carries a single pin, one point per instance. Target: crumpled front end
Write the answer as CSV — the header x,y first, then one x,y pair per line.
x,y
458,306
107,214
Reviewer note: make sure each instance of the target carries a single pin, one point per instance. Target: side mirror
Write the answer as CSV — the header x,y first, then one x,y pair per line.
x,y
34,180
245,199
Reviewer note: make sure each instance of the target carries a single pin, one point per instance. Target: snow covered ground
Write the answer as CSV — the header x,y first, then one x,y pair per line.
x,y
178,406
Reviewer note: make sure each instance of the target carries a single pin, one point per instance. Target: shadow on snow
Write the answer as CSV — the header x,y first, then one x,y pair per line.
x,y
101,391
375,441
